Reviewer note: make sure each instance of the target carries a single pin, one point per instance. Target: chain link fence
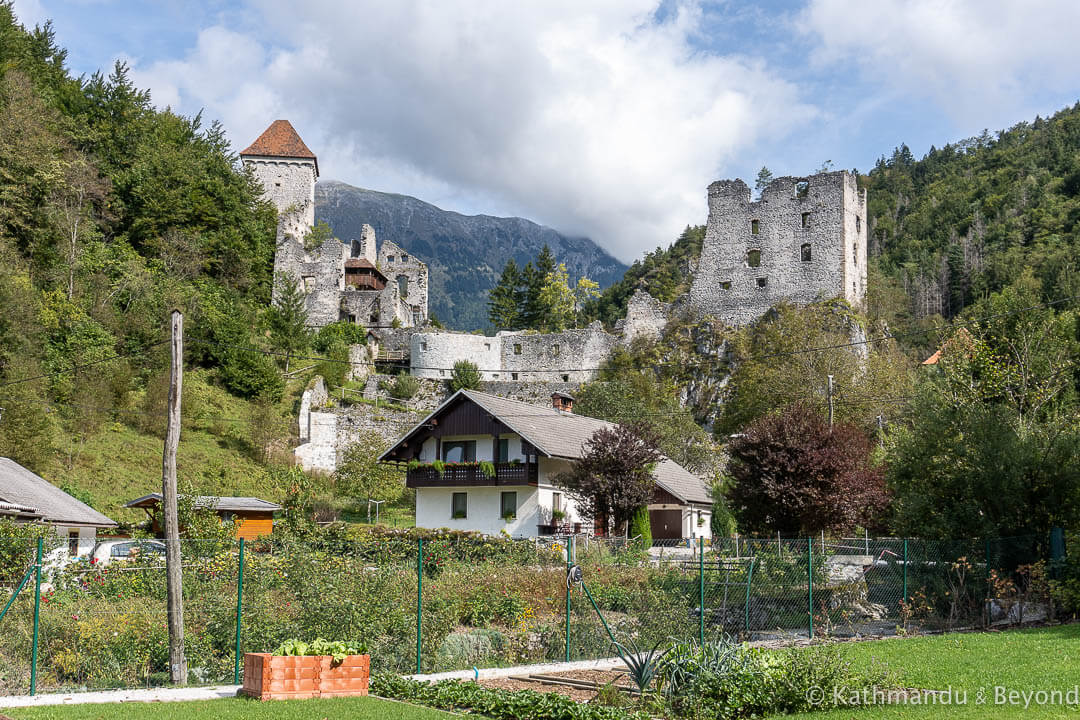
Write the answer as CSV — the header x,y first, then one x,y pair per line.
x,y
456,603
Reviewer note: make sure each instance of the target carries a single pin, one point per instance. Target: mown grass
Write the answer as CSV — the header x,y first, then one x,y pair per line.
x,y
1021,660
245,708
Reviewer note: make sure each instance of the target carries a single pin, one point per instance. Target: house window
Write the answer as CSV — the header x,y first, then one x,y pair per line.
x,y
517,348
753,258
806,252
459,505
502,451
459,451
556,501
762,282
228,517
755,227
806,220
73,542
508,505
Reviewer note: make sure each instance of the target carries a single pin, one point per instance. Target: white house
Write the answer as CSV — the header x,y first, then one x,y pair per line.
x,y
27,497
498,459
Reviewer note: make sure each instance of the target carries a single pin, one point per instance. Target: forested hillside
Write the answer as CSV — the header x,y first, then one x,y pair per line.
x,y
111,214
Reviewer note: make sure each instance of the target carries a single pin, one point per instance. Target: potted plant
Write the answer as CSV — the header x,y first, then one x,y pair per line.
x,y
557,516
700,521
509,517
297,670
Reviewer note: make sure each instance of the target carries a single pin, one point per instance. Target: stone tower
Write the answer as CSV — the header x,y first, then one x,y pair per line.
x,y
803,241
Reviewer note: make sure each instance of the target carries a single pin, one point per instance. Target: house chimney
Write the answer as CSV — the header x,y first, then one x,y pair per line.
x,y
562,401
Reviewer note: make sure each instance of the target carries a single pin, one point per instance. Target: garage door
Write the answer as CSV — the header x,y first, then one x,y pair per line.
x,y
666,524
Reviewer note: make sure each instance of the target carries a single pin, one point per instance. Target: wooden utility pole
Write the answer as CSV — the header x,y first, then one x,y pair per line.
x,y
830,402
174,572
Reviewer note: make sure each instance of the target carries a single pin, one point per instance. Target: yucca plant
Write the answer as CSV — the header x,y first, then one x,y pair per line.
x,y
640,664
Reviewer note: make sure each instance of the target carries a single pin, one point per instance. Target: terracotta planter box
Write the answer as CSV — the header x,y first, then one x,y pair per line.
x,y
278,677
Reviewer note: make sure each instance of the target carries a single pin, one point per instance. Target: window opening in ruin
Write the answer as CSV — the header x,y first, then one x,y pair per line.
x,y
555,349
404,257
416,317
566,378
755,227
517,348
855,254
423,346
513,376
277,184
806,220
403,286
806,252
802,189
389,258
858,224
725,285
352,318
309,283
753,258
761,282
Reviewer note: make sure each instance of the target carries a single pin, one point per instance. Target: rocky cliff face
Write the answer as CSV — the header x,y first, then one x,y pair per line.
x,y
464,253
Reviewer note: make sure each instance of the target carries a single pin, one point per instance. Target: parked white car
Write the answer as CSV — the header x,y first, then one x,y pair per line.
x,y
110,550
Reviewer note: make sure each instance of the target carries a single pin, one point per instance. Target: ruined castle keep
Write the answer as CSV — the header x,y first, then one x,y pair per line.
x,y
803,241
354,281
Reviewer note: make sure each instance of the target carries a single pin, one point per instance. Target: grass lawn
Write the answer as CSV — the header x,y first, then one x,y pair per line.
x,y
1031,660
239,708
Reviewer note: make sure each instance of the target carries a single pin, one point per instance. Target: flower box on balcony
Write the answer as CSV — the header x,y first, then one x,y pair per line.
x,y
290,677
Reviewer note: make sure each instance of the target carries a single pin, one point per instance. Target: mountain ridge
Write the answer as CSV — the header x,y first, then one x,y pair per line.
x,y
465,253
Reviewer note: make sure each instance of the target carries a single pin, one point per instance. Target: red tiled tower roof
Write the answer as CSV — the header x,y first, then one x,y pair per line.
x,y
280,140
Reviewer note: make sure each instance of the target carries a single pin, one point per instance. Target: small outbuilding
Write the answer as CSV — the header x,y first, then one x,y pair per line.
x,y
27,497
252,516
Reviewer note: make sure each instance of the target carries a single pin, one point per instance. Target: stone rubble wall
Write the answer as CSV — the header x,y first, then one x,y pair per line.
x,y
645,317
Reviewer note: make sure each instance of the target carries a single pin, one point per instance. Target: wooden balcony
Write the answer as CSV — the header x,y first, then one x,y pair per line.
x,y
472,476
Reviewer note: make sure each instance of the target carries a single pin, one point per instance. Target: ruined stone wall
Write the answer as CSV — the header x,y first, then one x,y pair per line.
x,y
410,277
572,356
803,241
645,316
432,354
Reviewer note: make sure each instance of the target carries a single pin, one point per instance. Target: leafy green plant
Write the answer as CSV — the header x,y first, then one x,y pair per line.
x,y
404,387
465,376
487,468
641,665
338,650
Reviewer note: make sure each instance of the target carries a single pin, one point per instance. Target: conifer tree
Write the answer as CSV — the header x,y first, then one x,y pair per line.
x,y
503,299
287,319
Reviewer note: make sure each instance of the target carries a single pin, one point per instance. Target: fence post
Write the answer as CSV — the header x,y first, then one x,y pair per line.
x,y
701,586
810,585
239,609
419,597
749,580
37,617
904,601
986,584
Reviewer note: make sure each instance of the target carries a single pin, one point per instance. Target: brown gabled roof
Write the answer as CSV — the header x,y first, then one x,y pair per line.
x,y
220,504
280,140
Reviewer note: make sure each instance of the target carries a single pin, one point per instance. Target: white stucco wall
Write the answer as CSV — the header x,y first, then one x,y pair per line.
x,y
87,537
433,507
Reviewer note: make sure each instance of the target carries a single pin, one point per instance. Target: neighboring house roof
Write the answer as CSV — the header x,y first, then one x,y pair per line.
x,y
218,504
22,491
20,511
363,264
280,140
962,338
562,434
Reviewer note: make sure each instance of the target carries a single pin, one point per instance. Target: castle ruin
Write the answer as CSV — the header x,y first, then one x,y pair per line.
x,y
357,282
803,241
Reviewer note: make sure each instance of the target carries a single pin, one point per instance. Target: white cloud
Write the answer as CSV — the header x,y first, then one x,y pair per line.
x,y
590,117
30,12
979,60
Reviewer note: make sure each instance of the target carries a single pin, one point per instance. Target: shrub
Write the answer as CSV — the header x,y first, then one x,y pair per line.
x,y
404,387
465,376
640,526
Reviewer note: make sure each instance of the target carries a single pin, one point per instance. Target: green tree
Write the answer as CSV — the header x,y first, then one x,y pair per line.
x,y
504,298
287,319
764,177
465,376
640,526
361,477
319,233
557,300
533,310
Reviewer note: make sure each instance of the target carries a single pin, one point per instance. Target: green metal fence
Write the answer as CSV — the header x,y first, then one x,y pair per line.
x,y
452,604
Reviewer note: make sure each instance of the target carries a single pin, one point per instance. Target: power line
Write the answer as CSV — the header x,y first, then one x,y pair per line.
x,y
74,368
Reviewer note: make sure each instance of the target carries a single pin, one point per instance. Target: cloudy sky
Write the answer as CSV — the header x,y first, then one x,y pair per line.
x,y
599,117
